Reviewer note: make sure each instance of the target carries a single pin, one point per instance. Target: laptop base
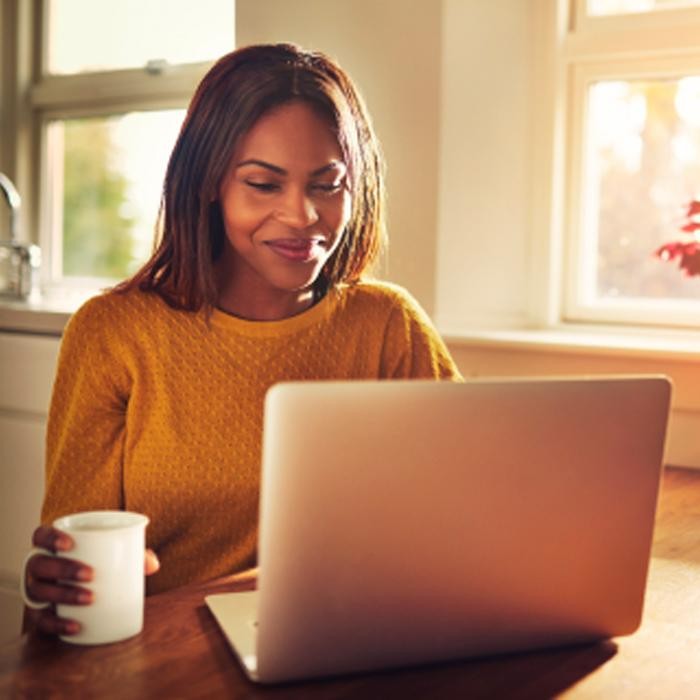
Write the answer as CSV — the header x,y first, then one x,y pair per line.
x,y
237,617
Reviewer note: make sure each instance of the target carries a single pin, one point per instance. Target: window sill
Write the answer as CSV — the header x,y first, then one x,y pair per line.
x,y
667,344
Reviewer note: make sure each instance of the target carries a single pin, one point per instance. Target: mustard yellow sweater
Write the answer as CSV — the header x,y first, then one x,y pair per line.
x,y
156,412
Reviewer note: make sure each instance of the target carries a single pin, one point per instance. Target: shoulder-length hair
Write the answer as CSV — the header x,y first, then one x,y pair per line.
x,y
240,88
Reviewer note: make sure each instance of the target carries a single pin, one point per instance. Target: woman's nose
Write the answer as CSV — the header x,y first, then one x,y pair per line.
x,y
297,209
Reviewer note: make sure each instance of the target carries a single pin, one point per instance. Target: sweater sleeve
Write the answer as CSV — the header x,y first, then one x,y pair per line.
x,y
86,423
413,349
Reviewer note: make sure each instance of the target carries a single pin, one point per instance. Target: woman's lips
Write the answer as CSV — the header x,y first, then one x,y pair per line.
x,y
295,249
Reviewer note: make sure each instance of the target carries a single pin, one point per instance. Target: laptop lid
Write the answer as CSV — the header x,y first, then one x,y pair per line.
x,y
409,522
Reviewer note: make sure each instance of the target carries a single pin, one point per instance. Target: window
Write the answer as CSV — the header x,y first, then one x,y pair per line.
x,y
106,105
618,7
632,75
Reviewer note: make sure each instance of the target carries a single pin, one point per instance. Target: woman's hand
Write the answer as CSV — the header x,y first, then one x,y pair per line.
x,y
151,563
56,580
43,575
247,576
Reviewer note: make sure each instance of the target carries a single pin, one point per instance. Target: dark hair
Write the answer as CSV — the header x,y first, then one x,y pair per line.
x,y
233,95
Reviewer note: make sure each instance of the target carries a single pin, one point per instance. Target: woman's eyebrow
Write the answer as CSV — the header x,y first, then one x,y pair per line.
x,y
262,164
281,171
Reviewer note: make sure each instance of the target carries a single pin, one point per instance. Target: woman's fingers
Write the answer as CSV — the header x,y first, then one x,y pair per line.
x,y
151,562
49,579
49,623
51,538
51,592
42,567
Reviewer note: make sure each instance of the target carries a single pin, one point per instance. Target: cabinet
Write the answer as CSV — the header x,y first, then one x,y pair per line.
x,y
27,365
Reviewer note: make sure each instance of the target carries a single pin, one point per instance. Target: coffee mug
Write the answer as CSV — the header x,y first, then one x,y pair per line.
x,y
112,542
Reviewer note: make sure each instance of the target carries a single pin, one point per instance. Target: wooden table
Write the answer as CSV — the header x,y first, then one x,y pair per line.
x,y
182,654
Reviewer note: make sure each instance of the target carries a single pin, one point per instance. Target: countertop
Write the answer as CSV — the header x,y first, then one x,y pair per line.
x,y
41,314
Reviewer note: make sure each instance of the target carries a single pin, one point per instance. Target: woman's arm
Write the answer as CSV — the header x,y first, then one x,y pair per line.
x,y
87,418
84,448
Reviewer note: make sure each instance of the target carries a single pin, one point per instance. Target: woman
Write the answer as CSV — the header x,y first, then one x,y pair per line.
x,y
272,213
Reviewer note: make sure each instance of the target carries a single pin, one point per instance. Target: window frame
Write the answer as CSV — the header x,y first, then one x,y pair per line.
x,y
38,98
658,44
57,108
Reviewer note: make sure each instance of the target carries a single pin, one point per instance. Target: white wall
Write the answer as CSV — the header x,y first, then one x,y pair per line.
x,y
392,49
450,86
485,162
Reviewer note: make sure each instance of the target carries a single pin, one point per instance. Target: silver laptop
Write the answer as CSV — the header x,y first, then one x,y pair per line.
x,y
410,522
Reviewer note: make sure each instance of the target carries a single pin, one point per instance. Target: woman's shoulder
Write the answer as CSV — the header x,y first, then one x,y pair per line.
x,y
113,308
386,302
379,292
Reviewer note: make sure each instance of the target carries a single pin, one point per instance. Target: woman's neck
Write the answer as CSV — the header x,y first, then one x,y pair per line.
x,y
255,307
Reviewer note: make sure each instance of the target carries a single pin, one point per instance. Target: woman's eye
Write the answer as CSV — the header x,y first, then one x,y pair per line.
x,y
262,186
327,187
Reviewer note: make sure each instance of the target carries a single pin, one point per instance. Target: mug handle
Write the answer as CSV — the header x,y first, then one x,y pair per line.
x,y
23,580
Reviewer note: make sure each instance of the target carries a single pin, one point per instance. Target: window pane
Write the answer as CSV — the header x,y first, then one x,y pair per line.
x,y
620,7
85,35
111,170
642,170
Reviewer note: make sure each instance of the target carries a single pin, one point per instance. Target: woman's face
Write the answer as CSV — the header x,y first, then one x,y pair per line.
x,y
285,203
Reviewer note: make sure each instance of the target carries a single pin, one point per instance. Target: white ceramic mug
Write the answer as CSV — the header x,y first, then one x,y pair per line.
x,y
112,542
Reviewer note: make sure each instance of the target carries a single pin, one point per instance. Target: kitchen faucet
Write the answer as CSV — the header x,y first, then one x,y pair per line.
x,y
19,263
14,201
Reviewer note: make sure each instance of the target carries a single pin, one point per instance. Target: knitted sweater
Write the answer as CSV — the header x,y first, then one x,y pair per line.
x,y
156,411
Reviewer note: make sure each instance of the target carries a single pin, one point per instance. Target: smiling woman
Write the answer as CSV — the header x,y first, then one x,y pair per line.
x,y
303,117
285,204
272,214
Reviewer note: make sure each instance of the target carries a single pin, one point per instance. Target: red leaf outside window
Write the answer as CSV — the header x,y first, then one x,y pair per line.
x,y
686,252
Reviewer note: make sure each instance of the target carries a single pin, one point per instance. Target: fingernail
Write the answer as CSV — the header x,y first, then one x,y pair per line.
x,y
63,543
71,627
83,574
84,597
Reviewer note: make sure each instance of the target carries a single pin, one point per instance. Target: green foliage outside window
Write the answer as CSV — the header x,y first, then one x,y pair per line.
x,y
97,232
